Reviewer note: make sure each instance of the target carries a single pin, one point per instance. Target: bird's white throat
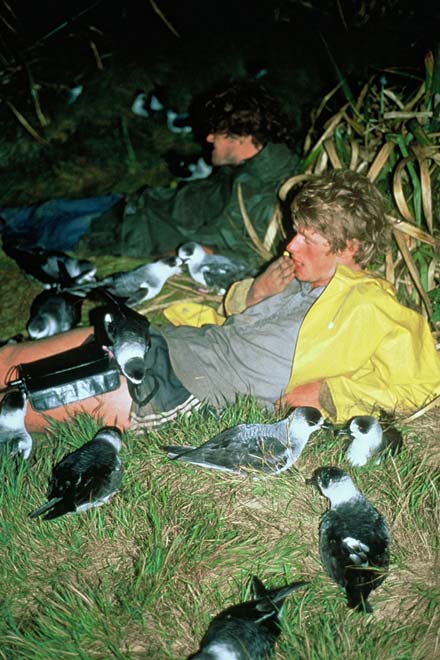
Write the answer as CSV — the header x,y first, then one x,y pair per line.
x,y
341,491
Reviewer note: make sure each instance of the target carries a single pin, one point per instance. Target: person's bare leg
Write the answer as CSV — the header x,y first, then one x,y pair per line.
x,y
112,407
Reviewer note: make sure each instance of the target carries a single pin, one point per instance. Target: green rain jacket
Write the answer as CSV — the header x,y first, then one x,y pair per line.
x,y
157,220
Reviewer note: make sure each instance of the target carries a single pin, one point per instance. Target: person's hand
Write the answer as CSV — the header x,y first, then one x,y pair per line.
x,y
274,280
303,395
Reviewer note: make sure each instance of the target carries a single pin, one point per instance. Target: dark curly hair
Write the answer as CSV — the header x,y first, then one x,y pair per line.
x,y
343,205
246,108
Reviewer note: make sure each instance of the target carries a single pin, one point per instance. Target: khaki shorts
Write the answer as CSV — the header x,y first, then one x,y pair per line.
x,y
161,396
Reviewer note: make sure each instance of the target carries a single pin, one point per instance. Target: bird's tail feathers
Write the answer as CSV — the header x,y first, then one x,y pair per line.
x,y
138,297
273,598
45,507
175,452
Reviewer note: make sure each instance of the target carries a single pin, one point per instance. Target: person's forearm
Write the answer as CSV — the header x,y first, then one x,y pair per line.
x,y
303,395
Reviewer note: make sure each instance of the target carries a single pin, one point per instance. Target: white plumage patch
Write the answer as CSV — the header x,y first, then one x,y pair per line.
x,y
358,554
221,651
363,444
340,491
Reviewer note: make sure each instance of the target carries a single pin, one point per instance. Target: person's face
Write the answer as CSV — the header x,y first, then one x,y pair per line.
x,y
311,254
230,150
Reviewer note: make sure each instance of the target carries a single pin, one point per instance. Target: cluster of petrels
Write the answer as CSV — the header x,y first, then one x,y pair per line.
x,y
354,537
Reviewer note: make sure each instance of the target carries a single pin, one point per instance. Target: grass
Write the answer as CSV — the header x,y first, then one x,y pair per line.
x,y
142,576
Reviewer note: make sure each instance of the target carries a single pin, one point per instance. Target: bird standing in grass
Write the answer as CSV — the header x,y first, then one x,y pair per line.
x,y
354,538
85,478
14,438
269,448
371,440
212,271
247,631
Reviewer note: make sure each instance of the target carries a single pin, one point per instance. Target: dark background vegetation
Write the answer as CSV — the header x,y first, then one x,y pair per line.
x,y
114,49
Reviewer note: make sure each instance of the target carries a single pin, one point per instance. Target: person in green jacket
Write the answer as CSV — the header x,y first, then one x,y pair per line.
x,y
314,329
250,141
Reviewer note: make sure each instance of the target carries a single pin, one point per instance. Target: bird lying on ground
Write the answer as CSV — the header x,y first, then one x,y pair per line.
x,y
14,438
212,271
53,312
136,286
354,538
48,267
248,630
269,448
371,440
85,478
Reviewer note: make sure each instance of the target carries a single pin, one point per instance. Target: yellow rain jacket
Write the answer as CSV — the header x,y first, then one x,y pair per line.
x,y
370,351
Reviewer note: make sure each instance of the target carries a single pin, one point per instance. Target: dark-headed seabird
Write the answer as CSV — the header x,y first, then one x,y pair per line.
x,y
144,103
269,448
140,105
249,630
371,440
354,538
85,478
129,340
178,122
212,271
49,267
140,284
188,167
53,312
14,437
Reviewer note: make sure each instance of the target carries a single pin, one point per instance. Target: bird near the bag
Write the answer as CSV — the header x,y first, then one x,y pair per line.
x,y
53,312
14,437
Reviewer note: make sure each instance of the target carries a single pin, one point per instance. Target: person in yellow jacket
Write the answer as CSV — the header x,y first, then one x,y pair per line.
x,y
314,329
359,349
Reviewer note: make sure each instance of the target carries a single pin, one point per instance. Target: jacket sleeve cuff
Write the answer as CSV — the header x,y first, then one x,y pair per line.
x,y
326,402
235,300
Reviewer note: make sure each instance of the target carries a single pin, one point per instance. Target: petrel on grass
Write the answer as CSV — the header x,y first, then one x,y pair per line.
x,y
14,438
371,440
138,285
50,268
269,448
85,478
212,271
248,630
354,538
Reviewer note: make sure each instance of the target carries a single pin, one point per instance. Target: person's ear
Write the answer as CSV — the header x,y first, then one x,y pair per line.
x,y
351,247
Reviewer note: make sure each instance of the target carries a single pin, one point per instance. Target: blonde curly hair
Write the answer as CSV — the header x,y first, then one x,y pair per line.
x,y
343,205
